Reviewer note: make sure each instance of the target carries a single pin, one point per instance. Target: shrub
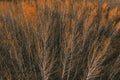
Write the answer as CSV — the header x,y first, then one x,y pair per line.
x,y
57,40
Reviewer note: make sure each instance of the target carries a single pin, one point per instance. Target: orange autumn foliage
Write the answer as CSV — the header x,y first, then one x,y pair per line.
x,y
29,11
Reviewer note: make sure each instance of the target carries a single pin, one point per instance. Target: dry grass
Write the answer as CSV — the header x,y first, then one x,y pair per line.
x,y
57,40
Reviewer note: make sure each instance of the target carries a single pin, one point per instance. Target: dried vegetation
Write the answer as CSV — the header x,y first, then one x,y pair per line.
x,y
59,40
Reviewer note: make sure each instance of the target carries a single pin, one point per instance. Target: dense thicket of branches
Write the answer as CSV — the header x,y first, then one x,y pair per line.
x,y
57,40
